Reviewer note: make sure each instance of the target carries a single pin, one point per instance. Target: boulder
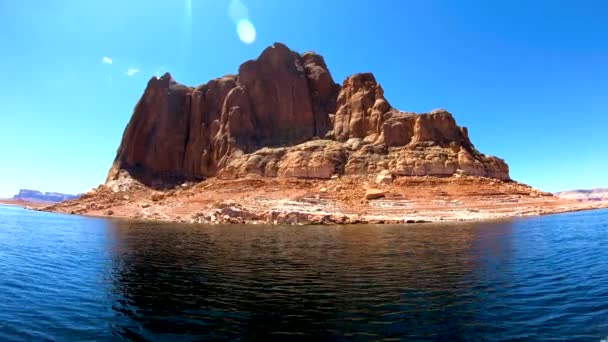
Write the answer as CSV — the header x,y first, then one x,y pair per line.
x,y
371,194
384,177
159,196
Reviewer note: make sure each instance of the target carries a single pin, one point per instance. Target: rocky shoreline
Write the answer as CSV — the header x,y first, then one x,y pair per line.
x,y
343,200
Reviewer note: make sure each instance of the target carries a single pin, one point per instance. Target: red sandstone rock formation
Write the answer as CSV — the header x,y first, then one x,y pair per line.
x,y
284,116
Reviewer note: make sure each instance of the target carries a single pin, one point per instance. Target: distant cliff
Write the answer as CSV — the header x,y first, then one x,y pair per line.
x,y
37,196
585,195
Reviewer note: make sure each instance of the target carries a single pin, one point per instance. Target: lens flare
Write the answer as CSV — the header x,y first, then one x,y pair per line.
x,y
246,31
237,11
188,13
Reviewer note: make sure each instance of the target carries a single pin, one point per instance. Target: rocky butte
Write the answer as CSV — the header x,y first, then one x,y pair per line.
x,y
282,142
283,115
36,199
37,196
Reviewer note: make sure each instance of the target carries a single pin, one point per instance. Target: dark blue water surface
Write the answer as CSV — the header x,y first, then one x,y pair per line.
x,y
74,278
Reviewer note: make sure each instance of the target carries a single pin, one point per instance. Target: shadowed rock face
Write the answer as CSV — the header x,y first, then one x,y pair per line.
x,y
284,116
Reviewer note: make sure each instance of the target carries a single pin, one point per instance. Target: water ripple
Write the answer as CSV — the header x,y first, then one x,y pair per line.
x,y
75,278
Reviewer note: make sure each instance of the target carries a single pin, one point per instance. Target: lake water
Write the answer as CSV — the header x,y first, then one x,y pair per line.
x,y
75,278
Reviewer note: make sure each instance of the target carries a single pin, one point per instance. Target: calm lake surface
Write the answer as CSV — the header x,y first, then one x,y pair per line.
x,y
74,278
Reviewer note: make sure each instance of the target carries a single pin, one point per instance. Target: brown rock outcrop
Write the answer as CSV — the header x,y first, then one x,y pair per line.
x,y
371,194
361,106
283,115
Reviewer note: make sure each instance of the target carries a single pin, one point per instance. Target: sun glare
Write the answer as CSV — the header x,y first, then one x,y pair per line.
x,y
239,14
237,10
246,31
188,13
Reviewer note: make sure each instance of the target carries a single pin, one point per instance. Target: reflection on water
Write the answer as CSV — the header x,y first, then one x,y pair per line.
x,y
254,281
524,279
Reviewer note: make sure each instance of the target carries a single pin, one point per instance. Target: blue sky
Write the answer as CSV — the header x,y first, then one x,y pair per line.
x,y
528,78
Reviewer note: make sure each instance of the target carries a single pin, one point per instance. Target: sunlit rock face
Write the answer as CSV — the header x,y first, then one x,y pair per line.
x,y
283,115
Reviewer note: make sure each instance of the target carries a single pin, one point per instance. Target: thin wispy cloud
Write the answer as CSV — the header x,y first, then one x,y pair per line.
x,y
106,60
132,71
